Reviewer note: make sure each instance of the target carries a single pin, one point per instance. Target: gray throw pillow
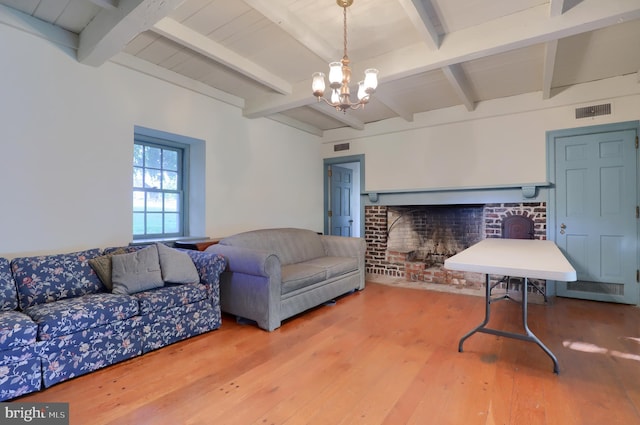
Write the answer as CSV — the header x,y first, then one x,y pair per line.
x,y
136,272
176,266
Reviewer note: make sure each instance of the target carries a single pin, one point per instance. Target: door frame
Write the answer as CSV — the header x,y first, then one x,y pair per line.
x,y
327,162
551,136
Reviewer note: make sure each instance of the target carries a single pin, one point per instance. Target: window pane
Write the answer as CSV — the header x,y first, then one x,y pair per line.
x,y
154,201
171,202
152,157
154,223
137,176
138,224
138,200
157,189
170,160
138,155
152,178
169,180
171,223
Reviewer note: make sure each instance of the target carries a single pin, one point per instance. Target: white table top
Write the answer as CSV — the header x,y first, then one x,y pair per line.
x,y
529,258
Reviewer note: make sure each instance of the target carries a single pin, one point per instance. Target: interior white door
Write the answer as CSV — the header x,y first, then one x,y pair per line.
x,y
595,218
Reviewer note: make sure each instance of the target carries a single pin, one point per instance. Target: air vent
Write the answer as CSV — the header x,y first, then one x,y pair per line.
x,y
596,287
341,147
593,111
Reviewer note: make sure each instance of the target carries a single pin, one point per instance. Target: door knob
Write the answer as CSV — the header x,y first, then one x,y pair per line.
x,y
562,227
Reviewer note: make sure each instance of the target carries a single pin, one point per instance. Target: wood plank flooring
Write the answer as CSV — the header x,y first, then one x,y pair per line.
x,y
386,355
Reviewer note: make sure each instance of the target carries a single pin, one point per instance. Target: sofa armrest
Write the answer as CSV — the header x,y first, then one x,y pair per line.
x,y
248,261
209,266
341,246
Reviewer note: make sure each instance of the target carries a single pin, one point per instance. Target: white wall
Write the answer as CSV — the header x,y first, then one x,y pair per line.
x,y
501,142
66,153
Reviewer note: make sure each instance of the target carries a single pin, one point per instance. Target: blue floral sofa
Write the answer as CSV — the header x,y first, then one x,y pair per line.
x,y
59,320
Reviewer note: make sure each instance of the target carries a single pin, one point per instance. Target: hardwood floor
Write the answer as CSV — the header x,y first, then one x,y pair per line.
x,y
386,355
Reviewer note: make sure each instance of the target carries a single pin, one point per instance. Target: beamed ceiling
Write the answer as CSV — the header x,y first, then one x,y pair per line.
x,y
259,54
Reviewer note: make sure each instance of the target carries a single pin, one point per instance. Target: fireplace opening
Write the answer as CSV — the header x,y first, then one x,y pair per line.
x,y
431,234
412,242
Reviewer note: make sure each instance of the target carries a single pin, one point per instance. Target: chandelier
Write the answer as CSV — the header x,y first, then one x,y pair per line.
x,y
340,77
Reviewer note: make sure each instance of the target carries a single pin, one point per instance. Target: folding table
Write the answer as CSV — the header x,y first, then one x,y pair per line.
x,y
525,258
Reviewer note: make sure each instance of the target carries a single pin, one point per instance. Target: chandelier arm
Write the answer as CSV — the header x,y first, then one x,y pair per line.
x,y
344,106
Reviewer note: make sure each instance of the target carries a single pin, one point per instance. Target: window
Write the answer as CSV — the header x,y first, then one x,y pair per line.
x,y
159,188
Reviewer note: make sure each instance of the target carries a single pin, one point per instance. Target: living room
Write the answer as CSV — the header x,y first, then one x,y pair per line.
x,y
68,131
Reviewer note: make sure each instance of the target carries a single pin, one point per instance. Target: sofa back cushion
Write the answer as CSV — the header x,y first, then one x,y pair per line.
x,y
51,278
289,244
8,298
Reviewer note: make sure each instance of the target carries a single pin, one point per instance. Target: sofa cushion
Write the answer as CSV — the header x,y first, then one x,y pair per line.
x,y
50,278
16,330
102,265
136,271
77,314
335,266
8,296
290,245
176,266
171,296
296,276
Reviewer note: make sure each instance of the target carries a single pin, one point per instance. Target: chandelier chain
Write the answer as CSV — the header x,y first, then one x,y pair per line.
x,y
345,31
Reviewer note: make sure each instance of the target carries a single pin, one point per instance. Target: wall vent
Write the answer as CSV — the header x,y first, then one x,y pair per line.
x,y
596,287
593,111
341,147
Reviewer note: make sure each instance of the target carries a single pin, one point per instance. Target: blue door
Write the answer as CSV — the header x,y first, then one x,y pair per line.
x,y
595,216
341,214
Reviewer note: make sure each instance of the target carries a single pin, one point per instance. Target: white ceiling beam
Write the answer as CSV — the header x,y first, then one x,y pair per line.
x,y
273,103
344,118
519,30
455,76
418,15
185,36
523,29
556,7
295,27
106,4
549,65
291,122
164,74
388,100
27,23
112,29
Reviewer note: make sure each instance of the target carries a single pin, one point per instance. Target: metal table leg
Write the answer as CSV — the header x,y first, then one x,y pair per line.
x,y
530,336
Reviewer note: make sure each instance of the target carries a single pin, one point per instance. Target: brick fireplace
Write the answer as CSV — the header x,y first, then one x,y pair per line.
x,y
412,242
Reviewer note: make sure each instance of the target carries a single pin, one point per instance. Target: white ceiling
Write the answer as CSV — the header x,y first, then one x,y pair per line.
x,y
259,54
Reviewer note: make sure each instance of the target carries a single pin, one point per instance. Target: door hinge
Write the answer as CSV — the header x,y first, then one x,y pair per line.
x,y
636,142
330,213
329,172
637,211
638,276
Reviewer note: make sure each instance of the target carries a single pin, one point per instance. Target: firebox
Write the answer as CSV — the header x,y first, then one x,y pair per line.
x,y
412,242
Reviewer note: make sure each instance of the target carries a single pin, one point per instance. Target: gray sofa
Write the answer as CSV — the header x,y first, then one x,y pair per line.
x,y
273,274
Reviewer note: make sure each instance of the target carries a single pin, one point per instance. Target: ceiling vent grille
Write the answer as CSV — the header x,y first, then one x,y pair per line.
x,y
593,111
341,147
